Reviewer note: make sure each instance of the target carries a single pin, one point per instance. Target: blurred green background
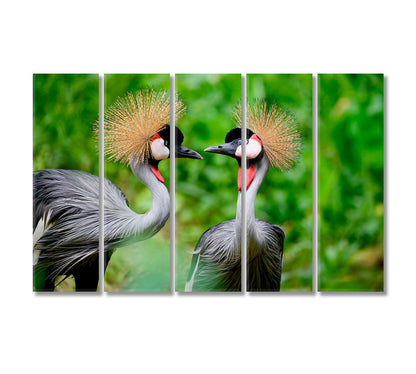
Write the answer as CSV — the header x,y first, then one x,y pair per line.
x,y
139,266
206,191
350,182
65,107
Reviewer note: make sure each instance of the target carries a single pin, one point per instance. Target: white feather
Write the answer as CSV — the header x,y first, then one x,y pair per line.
x,y
253,149
159,150
189,285
42,226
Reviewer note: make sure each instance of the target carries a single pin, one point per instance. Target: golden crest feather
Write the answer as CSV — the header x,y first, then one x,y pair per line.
x,y
276,129
132,121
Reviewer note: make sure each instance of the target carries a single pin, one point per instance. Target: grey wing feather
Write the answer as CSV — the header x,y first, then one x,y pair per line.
x,y
66,203
265,267
216,262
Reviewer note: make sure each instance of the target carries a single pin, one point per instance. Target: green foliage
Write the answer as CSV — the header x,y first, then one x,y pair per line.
x,y
65,107
350,182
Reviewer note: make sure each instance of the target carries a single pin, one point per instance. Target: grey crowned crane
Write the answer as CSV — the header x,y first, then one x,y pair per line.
x,y
272,138
66,202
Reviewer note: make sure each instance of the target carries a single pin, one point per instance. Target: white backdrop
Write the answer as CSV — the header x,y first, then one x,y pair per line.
x,y
206,334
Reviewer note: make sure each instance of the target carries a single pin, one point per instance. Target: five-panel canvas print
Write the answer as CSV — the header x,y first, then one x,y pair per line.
x,y
211,183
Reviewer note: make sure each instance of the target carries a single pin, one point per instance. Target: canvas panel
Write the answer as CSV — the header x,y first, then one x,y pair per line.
x,y
284,198
140,263
206,190
350,182
65,109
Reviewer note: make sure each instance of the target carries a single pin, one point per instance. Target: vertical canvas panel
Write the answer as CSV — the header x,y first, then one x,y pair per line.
x,y
65,109
139,264
284,198
350,182
206,190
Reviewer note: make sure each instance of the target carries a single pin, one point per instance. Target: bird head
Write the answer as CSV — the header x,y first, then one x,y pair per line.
x,y
136,130
232,148
160,149
271,133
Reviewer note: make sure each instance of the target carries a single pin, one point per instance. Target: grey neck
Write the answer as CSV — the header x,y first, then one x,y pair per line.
x,y
262,167
239,220
152,221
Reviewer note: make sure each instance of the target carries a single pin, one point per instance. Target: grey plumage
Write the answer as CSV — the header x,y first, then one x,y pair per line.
x,y
66,205
216,263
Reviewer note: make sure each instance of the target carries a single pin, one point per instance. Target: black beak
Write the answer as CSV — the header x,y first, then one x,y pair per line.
x,y
227,149
183,152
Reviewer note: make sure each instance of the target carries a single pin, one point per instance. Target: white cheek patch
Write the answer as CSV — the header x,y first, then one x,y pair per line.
x,y
159,150
253,148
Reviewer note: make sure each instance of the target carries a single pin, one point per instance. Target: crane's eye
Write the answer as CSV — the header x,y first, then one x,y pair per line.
x,y
239,141
166,143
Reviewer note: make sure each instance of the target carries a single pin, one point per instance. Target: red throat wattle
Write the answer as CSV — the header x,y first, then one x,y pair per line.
x,y
249,177
157,174
156,171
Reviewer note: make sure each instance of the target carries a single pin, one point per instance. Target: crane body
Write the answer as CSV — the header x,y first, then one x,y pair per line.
x,y
66,202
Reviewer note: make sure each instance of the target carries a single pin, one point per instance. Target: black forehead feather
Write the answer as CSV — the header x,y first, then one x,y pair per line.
x,y
236,134
165,134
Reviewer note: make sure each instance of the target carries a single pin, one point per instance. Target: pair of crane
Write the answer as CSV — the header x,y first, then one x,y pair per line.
x,y
66,202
